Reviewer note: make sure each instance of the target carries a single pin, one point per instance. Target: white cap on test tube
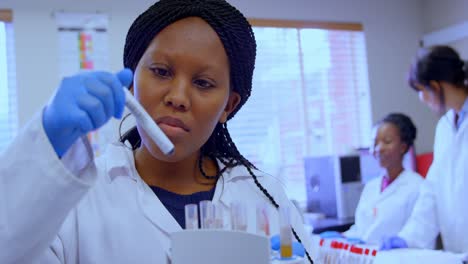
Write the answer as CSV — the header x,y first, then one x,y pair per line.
x,y
238,216
191,216
207,214
285,232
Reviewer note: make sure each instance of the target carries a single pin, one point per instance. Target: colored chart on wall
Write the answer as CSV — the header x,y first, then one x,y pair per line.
x,y
83,46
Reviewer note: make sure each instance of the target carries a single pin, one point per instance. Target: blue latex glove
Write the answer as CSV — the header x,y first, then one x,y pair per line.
x,y
393,242
297,248
84,103
355,240
331,234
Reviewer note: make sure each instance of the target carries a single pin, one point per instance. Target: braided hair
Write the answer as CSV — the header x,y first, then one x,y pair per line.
x,y
238,40
405,126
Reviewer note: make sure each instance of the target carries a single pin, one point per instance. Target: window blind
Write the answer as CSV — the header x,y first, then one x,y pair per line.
x,y
8,105
310,97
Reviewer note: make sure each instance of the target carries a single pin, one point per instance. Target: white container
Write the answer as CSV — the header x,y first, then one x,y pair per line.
x,y
214,246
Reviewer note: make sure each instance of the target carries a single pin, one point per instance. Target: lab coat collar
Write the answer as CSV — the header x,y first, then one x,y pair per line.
x,y
449,117
401,180
238,172
120,162
462,115
226,195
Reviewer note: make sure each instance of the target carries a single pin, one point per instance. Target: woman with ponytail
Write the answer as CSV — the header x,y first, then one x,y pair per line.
x,y
439,76
190,64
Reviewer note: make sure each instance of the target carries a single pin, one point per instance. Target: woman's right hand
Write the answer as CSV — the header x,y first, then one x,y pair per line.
x,y
84,103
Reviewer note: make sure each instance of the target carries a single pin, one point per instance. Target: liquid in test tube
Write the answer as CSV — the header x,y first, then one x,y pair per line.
x,y
238,216
206,214
191,216
263,222
285,233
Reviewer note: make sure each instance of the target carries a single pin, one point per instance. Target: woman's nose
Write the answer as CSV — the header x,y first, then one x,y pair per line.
x,y
178,96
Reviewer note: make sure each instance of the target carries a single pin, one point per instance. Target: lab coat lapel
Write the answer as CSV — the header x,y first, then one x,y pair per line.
x,y
157,214
392,187
224,187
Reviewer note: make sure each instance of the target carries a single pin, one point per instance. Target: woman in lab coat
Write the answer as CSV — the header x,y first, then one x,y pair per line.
x,y
387,201
439,76
193,63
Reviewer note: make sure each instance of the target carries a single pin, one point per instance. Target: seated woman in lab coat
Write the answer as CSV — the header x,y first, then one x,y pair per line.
x,y
387,201
440,76
192,64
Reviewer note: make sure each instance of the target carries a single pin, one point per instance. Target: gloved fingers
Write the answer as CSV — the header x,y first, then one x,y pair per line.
x,y
116,87
94,108
103,93
298,249
125,77
275,242
84,121
385,245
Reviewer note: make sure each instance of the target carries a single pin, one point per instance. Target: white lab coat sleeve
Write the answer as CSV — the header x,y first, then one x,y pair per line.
x,y
55,254
353,231
38,191
422,227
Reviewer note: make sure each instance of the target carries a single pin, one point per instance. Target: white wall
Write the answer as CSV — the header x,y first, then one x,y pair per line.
x,y
441,14
393,29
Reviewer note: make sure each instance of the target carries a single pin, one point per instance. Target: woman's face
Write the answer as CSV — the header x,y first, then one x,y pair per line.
x,y
388,148
183,82
428,97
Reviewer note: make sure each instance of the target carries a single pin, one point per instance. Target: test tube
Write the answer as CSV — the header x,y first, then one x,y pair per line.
x,y
263,223
191,216
148,124
206,214
238,216
285,232
218,216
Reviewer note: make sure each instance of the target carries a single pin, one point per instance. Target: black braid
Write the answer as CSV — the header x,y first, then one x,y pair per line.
x,y
276,205
238,40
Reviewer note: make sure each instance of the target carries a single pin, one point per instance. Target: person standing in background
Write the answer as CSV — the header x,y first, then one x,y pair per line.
x,y
439,76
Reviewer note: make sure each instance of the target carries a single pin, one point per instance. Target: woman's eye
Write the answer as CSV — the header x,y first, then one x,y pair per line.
x,y
161,72
203,83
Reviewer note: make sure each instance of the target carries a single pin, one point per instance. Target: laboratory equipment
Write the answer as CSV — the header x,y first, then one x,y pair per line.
x,y
238,216
207,214
148,124
191,216
334,183
263,222
285,232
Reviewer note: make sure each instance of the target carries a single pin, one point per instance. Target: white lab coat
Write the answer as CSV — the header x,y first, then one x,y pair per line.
x,y
77,210
443,202
382,214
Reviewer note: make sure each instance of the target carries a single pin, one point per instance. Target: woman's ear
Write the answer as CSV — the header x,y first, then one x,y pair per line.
x,y
232,103
404,148
435,86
